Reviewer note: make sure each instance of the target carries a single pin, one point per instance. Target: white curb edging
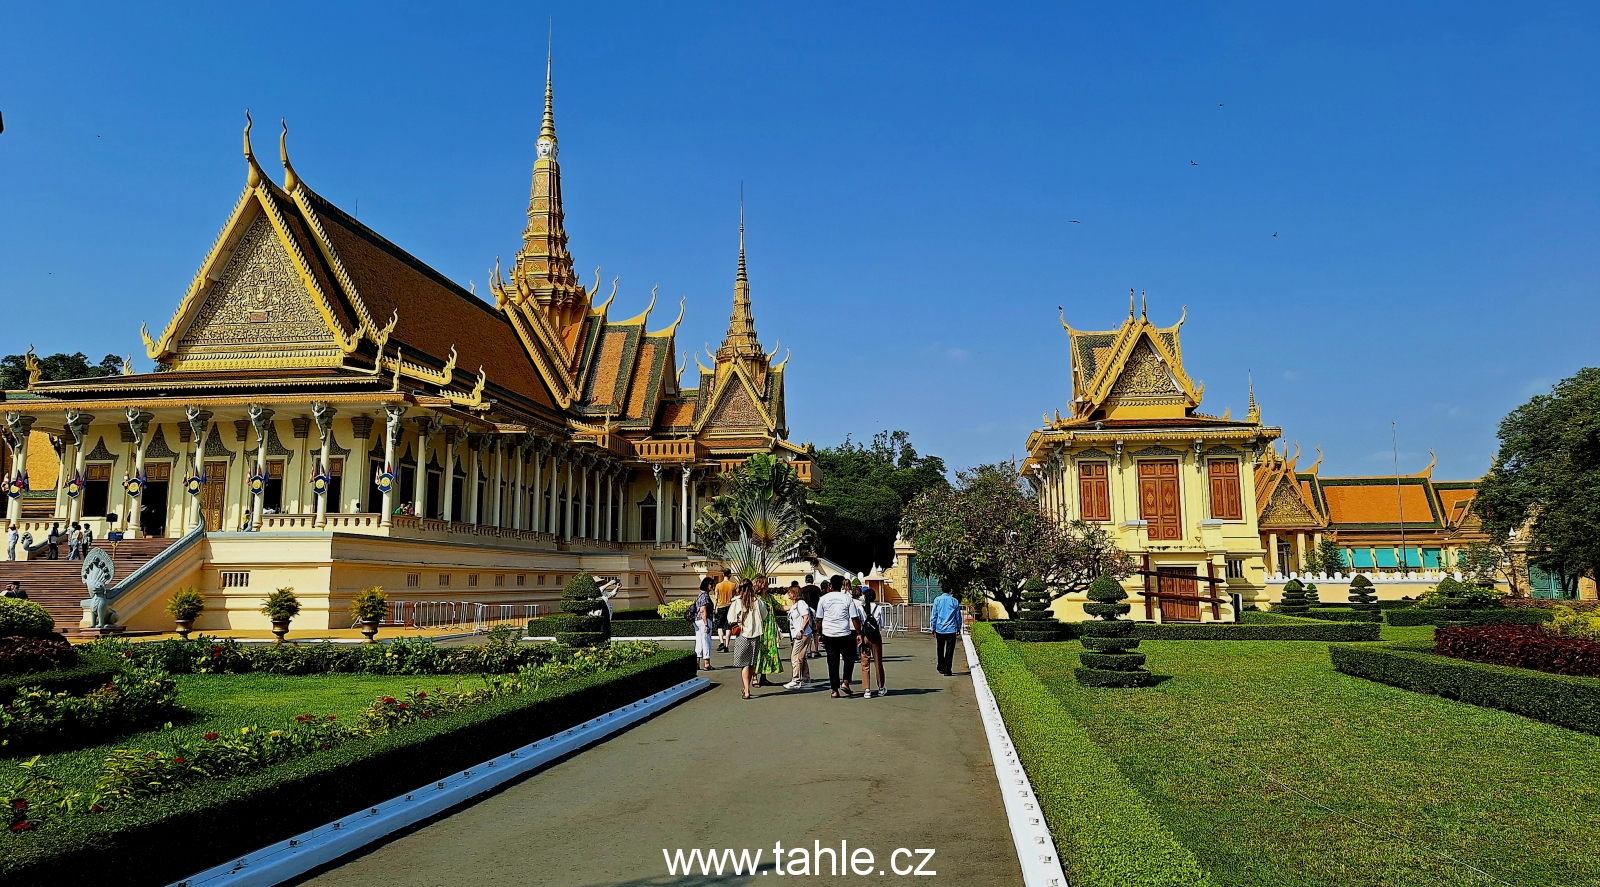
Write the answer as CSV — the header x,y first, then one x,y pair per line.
x,y
1036,850
276,863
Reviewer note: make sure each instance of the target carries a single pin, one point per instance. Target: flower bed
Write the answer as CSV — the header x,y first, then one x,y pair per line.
x,y
1571,702
160,838
1105,833
38,720
1522,646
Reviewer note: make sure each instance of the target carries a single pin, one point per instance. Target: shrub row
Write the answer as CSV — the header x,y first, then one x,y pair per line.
x,y
1106,834
1496,616
652,628
1571,702
1341,614
25,655
1522,646
86,675
1273,628
172,836
503,653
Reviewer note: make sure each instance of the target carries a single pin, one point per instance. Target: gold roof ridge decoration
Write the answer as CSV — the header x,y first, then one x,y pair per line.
x,y
1135,370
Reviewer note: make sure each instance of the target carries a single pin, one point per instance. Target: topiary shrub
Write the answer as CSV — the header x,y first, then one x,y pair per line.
x,y
585,624
24,619
1311,595
1037,622
1106,660
1293,602
1362,599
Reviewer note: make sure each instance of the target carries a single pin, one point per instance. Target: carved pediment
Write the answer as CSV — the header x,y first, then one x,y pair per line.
x,y
1144,376
258,299
1286,508
100,453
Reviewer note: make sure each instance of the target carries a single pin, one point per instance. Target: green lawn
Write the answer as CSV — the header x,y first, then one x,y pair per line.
x,y
1222,746
221,703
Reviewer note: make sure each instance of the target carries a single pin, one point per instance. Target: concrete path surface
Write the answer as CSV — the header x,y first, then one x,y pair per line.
x,y
910,770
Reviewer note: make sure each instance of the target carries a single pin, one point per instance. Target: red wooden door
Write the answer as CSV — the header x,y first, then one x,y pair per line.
x,y
1158,499
1186,608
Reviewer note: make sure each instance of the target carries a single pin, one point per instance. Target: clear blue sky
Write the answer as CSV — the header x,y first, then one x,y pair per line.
x,y
912,172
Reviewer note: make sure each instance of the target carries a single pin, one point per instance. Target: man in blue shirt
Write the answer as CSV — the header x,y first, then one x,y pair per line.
x,y
945,621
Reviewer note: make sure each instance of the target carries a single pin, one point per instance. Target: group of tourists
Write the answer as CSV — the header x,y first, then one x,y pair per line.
x,y
841,622
14,590
79,538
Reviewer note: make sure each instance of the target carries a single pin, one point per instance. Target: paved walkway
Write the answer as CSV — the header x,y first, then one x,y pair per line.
x,y
909,770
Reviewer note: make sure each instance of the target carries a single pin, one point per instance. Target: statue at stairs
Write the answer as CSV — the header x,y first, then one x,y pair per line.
x,y
98,571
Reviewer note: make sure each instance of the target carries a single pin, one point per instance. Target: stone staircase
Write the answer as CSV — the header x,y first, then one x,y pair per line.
x,y
58,584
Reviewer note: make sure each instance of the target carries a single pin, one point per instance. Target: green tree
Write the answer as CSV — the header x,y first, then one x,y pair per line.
x,y
864,490
1484,562
1327,558
1108,659
758,521
14,369
1545,482
986,535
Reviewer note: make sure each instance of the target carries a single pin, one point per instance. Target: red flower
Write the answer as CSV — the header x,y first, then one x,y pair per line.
x,y
23,826
422,694
404,705
211,737
96,808
178,759
330,717
19,804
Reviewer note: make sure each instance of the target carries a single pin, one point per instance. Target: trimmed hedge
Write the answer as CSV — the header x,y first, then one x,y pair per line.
x,y
173,836
1341,614
652,628
1497,616
635,613
1571,702
1105,833
1231,631
91,671
1271,628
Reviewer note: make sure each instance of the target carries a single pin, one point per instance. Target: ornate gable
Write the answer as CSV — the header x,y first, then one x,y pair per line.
x,y
1287,509
258,301
1132,372
736,409
1144,377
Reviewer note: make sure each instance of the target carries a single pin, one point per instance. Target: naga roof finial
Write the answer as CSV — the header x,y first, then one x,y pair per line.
x,y
290,180
255,175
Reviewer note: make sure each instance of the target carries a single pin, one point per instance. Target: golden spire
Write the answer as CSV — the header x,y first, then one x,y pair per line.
x,y
1254,414
542,272
547,130
741,340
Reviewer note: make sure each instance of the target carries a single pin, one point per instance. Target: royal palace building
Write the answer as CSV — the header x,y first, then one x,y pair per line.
x,y
327,412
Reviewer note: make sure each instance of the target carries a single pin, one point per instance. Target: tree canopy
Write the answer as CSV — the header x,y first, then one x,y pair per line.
x,y
14,369
1545,483
865,489
758,520
986,536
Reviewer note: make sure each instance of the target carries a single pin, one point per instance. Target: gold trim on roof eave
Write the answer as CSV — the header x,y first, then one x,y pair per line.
x,y
377,397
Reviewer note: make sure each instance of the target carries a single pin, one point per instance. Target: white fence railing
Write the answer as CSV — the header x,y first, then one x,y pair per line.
x,y
909,618
463,615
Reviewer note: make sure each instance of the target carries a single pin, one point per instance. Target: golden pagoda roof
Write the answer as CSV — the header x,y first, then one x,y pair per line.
x,y
1133,372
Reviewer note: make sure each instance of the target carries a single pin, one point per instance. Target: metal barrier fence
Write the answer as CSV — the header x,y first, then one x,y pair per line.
x,y
899,618
463,615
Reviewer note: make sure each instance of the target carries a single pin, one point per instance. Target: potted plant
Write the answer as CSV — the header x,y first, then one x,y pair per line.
x,y
281,606
367,609
184,608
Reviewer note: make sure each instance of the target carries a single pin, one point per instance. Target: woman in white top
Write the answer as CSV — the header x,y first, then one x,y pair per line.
x,y
745,617
801,635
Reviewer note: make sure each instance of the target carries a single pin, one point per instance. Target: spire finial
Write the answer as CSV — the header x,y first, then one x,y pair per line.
x,y
741,275
547,130
1144,310
1131,303
1254,415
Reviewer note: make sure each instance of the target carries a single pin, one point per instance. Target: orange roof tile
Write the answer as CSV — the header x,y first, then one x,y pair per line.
x,y
641,380
675,415
608,366
1376,503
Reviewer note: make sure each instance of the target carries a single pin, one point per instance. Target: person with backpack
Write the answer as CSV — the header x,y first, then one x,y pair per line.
x,y
872,642
813,596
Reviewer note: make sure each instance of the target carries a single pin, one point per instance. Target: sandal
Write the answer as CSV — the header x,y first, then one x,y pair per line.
x,y
834,694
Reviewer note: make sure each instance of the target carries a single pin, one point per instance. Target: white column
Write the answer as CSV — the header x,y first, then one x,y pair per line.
x,y
662,512
552,512
427,428
139,425
322,414
519,493
566,519
20,426
261,418
78,428
583,508
536,502
391,439
499,478
683,538
448,490
198,421
472,514
611,502
63,454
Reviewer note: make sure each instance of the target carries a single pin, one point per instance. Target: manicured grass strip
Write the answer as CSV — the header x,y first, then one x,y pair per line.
x,y
1212,746
1563,700
1104,832
172,836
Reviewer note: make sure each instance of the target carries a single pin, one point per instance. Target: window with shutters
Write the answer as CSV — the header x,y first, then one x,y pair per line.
x,y
1225,501
1094,490
1158,499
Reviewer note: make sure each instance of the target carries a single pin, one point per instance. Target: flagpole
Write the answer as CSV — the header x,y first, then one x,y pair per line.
x,y
1394,442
